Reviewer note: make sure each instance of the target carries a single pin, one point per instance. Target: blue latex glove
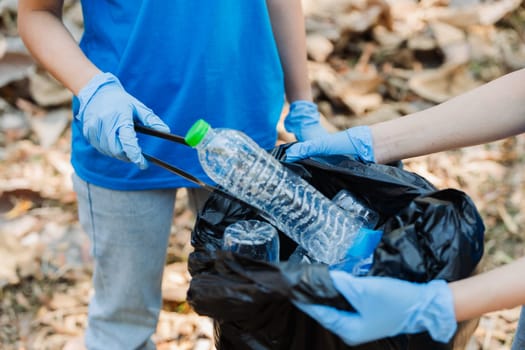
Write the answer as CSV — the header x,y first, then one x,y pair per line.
x,y
107,113
387,307
303,120
356,141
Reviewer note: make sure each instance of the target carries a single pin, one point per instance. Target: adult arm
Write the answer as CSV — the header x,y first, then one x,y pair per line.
x,y
40,27
497,289
488,113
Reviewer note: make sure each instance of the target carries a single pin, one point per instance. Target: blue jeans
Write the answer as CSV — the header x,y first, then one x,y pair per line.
x,y
519,338
129,232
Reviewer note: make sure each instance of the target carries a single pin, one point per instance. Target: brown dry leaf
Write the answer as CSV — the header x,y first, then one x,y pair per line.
x,y
511,224
360,104
490,13
29,108
49,127
63,301
14,256
333,17
483,43
443,83
512,48
360,20
3,45
66,321
8,5
15,61
354,88
325,78
20,208
322,26
318,47
20,227
387,39
47,91
485,14
173,325
11,197
21,300
14,126
383,113
175,282
14,67
423,41
452,41
360,81
327,8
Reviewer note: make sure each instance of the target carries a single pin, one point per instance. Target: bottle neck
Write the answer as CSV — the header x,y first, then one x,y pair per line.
x,y
210,134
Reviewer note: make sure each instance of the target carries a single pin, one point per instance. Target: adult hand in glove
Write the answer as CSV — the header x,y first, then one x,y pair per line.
x,y
356,141
107,113
303,120
387,307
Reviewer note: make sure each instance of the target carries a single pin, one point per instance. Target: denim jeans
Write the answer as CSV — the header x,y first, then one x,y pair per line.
x,y
129,232
519,338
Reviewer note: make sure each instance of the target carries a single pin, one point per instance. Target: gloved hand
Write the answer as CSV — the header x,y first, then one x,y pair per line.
x,y
303,120
107,112
387,307
356,141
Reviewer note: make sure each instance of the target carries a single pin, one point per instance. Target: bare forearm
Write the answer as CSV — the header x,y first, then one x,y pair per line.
x,y
498,289
491,112
52,45
289,31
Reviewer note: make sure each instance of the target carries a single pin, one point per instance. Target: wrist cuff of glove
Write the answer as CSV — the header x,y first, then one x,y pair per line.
x,y
361,138
439,317
307,106
88,91
302,110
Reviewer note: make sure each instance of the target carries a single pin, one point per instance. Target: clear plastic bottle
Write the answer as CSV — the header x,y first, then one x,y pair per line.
x,y
252,238
346,200
360,257
240,166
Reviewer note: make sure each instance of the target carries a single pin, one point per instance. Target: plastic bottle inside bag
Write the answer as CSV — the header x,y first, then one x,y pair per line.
x,y
359,258
254,239
241,167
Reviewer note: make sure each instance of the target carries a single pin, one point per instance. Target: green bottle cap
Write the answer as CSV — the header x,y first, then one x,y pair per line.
x,y
197,132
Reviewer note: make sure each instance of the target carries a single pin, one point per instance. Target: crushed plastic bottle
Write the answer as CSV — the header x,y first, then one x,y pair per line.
x,y
360,257
355,207
241,167
252,238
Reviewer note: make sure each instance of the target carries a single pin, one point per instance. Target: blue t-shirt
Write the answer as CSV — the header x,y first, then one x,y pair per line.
x,y
184,59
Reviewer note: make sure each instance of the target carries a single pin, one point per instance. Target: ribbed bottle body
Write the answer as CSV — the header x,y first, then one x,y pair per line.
x,y
241,167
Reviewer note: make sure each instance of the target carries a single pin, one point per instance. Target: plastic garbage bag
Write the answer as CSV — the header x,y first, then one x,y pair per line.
x,y
428,233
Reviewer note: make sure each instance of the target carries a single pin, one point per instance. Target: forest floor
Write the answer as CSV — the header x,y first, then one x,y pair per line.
x,y
370,64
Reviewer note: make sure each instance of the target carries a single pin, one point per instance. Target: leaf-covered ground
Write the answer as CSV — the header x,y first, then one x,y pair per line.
x,y
369,61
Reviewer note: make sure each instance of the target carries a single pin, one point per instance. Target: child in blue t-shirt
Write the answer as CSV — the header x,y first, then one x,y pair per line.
x,y
163,64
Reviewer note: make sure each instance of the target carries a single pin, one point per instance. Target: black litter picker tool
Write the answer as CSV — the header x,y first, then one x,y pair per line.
x,y
184,174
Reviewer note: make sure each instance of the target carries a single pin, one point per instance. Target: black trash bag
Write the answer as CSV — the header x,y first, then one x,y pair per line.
x,y
428,234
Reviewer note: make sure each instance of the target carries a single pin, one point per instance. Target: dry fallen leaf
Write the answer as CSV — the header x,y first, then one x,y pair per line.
x,y
441,84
